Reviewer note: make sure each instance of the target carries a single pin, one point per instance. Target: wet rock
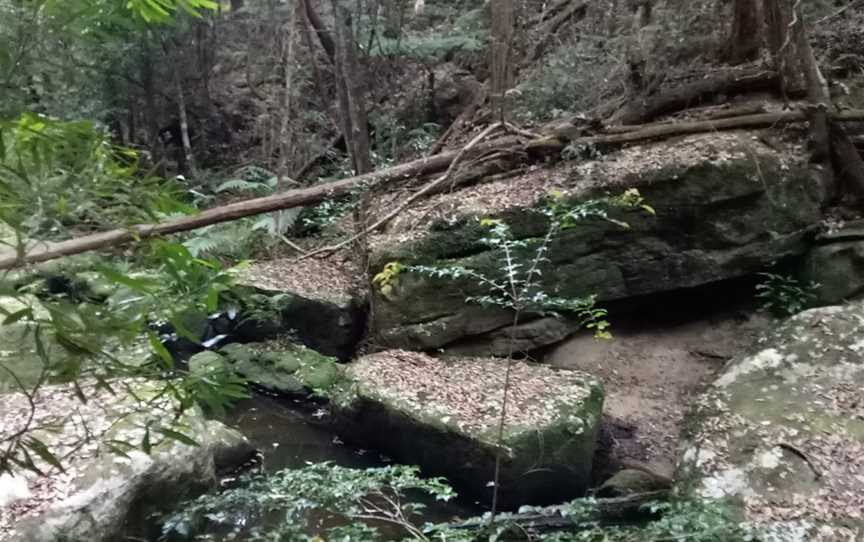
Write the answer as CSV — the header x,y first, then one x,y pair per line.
x,y
103,496
443,415
717,219
782,429
279,366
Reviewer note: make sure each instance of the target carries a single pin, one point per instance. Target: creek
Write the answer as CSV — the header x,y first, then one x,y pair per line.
x,y
292,433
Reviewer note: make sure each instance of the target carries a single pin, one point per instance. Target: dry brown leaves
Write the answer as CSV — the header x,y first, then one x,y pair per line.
x,y
467,392
312,278
70,428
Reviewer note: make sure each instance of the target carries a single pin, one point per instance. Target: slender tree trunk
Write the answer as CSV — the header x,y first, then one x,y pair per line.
x,y
288,62
323,35
352,102
188,156
745,38
782,27
503,31
637,55
353,113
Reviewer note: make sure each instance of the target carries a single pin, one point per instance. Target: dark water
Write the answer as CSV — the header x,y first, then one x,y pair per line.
x,y
292,434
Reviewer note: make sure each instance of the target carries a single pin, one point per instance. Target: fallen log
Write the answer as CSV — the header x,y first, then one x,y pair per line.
x,y
639,111
660,131
536,148
241,209
610,510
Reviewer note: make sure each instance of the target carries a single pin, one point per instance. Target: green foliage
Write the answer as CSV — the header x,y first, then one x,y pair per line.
x,y
324,214
318,502
692,520
427,47
519,288
571,79
55,175
161,11
784,295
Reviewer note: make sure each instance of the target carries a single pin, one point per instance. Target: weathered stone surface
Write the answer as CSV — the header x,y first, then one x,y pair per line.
x,y
443,415
101,495
723,217
313,302
279,366
782,430
838,268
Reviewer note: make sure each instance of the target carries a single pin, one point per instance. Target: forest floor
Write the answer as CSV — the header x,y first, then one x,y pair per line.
x,y
652,370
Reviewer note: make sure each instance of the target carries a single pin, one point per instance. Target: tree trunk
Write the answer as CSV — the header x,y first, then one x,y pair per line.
x,y
785,31
237,4
351,102
745,39
288,62
503,30
188,157
322,33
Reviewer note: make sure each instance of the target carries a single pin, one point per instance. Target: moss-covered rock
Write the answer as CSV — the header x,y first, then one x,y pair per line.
x,y
279,366
722,217
103,496
781,430
443,415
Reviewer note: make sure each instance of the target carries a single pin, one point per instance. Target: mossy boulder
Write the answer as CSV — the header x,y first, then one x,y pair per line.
x,y
443,415
103,495
781,431
723,215
278,366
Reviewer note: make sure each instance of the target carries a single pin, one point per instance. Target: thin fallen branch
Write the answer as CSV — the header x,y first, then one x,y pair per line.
x,y
419,194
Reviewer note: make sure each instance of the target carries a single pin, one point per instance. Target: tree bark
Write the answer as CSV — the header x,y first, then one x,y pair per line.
x,y
782,25
646,109
320,30
237,4
745,38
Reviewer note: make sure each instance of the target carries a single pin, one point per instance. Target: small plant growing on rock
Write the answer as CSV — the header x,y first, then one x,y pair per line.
x,y
519,287
784,295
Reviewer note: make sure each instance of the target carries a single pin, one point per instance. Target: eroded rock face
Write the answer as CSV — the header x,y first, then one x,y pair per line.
x,y
728,212
782,429
102,495
443,415
837,265
315,302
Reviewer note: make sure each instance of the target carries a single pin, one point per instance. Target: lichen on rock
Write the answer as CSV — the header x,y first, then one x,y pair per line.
x,y
782,429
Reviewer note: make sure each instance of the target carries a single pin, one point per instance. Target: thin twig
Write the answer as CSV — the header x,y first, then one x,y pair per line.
x,y
425,190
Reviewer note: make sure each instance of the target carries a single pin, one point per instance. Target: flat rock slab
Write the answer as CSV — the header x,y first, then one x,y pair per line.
x,y
317,302
781,431
444,414
101,495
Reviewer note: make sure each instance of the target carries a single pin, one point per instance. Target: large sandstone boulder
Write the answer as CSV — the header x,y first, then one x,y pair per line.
x,y
109,490
781,431
727,206
443,415
311,300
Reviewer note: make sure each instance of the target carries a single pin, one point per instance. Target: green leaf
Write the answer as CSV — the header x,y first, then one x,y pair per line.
x,y
178,436
140,285
145,442
26,312
161,351
40,449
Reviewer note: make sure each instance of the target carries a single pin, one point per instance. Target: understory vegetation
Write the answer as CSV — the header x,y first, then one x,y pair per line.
x,y
153,151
